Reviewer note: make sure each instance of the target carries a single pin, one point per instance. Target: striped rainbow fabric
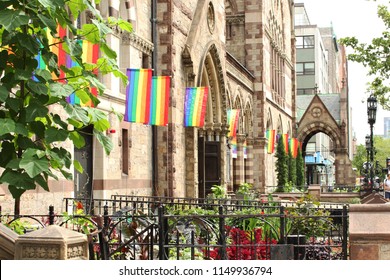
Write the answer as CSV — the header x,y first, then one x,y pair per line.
x,y
90,55
294,143
233,144
232,118
159,104
195,106
137,106
270,135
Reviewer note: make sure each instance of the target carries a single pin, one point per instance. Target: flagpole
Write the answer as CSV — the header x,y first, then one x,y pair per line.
x,y
154,128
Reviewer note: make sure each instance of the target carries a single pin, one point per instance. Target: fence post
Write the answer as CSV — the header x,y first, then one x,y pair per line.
x,y
103,227
345,232
222,237
161,239
51,215
105,213
282,225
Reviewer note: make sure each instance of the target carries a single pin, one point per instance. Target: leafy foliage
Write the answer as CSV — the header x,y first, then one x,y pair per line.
x,y
375,56
35,118
281,163
300,166
382,152
292,169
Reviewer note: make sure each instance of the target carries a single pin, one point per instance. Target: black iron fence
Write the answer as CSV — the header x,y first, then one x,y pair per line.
x,y
142,228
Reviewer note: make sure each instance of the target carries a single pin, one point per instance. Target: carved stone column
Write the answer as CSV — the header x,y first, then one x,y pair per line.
x,y
239,166
249,161
344,172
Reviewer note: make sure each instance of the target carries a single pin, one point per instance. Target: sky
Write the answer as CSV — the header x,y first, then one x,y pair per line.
x,y
353,18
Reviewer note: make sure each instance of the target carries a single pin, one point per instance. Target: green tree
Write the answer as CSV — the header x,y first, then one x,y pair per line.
x,y
360,158
300,165
375,56
382,152
31,134
281,163
292,169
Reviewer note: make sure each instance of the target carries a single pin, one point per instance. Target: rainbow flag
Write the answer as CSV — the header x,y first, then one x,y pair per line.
x,y
294,143
232,117
90,55
137,106
285,142
195,106
233,144
270,135
159,104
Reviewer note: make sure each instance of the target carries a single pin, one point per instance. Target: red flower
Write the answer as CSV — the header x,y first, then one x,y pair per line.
x,y
79,205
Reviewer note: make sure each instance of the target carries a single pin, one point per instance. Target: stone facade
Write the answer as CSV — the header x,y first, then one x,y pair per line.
x,y
242,50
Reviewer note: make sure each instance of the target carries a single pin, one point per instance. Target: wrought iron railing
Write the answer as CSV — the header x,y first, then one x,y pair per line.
x,y
186,229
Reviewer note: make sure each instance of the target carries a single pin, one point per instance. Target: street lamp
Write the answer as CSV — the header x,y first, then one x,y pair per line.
x,y
371,113
367,164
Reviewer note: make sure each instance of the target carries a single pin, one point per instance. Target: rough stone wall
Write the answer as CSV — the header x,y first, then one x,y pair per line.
x,y
271,33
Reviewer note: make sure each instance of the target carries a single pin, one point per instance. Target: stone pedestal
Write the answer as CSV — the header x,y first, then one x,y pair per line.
x,y
369,232
315,191
52,243
7,243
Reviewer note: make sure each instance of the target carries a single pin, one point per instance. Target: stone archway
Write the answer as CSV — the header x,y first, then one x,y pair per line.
x,y
206,147
317,118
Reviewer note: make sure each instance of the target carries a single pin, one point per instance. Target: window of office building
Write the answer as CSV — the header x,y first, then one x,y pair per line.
x,y
305,42
305,68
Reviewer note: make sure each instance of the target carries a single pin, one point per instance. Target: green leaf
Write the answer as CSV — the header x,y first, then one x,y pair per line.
x,y
57,119
12,19
14,164
7,152
38,128
108,51
125,25
22,180
91,33
49,22
55,135
37,88
16,191
101,125
4,93
42,182
25,142
76,6
34,166
43,75
28,43
104,140
7,126
74,47
77,113
102,27
66,174
35,110
77,139
61,90
77,165
52,4
22,75
21,129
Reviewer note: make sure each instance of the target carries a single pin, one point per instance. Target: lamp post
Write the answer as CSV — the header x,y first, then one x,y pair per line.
x,y
371,113
367,165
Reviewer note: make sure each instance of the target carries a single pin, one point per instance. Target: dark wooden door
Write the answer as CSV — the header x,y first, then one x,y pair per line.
x,y
83,181
209,166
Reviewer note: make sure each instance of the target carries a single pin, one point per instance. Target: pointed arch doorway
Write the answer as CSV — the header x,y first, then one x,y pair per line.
x,y
212,138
